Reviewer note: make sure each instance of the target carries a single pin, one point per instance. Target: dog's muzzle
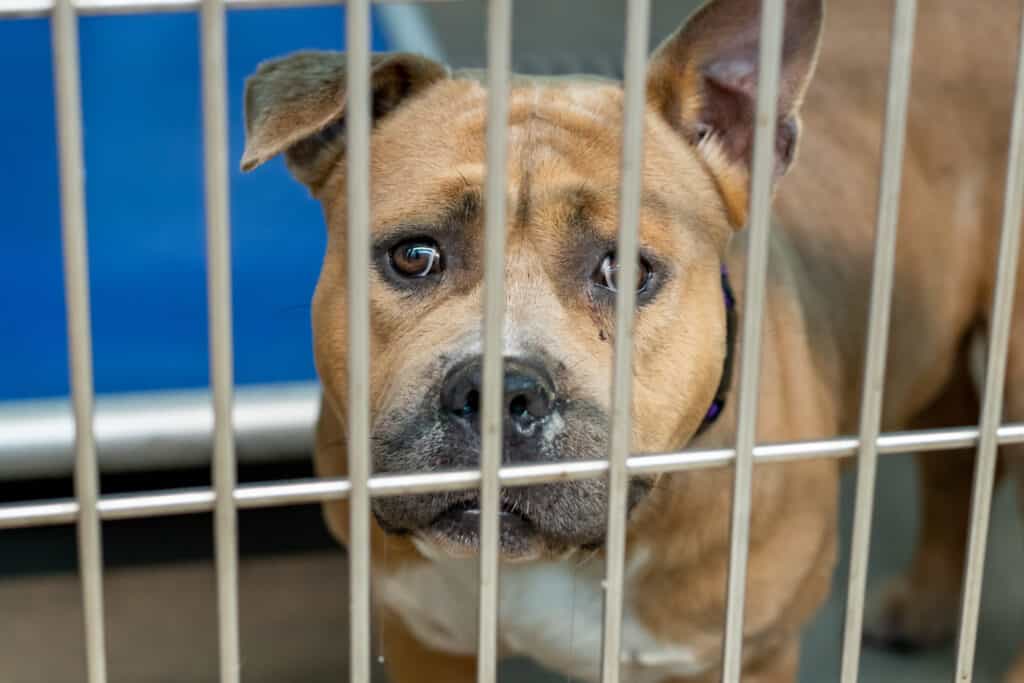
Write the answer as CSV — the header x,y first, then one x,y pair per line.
x,y
528,403
542,422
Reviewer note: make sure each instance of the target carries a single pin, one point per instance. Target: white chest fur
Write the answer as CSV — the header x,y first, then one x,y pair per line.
x,y
550,612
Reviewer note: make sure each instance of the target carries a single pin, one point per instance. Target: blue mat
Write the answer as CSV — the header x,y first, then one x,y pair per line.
x,y
144,180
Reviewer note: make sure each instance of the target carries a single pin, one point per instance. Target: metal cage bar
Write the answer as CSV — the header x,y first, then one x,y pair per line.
x,y
902,50
76,282
761,179
307,491
150,430
499,57
995,379
358,246
39,8
213,57
271,419
88,508
637,29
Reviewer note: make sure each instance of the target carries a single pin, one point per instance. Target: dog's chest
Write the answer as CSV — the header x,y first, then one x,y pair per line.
x,y
550,612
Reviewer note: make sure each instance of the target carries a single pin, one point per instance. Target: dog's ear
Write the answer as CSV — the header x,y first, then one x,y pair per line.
x,y
296,105
703,80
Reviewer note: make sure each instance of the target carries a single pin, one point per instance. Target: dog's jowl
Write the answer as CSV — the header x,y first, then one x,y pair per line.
x,y
564,148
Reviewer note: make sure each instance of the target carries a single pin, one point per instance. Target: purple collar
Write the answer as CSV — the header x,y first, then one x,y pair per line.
x,y
718,403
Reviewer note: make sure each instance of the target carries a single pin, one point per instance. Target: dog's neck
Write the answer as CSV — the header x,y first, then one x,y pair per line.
x,y
722,393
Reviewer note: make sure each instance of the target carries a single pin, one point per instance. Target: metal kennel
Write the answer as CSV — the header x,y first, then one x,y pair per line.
x,y
89,507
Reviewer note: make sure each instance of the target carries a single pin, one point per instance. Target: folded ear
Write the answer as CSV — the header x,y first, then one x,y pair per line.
x,y
296,105
703,80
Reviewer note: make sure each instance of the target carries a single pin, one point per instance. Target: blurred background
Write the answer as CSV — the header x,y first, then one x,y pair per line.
x,y
143,151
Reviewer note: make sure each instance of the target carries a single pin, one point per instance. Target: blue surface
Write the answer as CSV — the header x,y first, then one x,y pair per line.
x,y
144,179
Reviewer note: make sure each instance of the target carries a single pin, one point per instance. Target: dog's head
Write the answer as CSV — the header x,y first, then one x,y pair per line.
x,y
564,148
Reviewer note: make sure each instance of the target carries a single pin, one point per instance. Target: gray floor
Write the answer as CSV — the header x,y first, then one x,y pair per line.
x,y
162,622
1002,620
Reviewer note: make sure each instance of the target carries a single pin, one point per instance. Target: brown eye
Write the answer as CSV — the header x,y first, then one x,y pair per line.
x,y
607,274
417,258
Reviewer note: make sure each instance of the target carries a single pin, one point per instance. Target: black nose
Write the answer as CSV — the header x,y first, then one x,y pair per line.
x,y
529,394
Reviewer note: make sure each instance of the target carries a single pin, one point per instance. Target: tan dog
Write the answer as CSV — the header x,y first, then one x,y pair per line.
x,y
564,147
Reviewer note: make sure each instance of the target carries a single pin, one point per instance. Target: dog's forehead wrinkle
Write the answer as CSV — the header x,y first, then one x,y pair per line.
x,y
526,162
551,143
581,110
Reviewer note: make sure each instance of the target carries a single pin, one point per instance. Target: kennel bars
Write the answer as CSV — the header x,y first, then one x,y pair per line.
x,y
64,25
878,330
89,508
995,378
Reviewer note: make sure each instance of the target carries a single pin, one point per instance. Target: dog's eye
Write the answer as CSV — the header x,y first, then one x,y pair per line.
x,y
607,274
417,258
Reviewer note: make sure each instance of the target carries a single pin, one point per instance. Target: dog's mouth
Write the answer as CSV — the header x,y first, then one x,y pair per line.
x,y
457,530
464,518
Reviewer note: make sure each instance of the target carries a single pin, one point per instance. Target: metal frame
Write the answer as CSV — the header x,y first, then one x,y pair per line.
x,y
42,8
64,31
995,379
499,57
878,331
232,419
146,431
759,224
213,51
637,27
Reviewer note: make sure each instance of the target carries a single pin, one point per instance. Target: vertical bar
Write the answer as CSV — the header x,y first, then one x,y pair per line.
x,y
218,260
902,50
358,197
995,378
499,39
770,57
64,27
637,28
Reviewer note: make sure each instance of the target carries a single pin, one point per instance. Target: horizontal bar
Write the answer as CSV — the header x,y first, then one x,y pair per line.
x,y
41,8
46,513
145,431
163,504
308,491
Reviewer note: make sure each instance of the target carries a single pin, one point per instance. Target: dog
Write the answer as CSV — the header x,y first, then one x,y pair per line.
x,y
427,179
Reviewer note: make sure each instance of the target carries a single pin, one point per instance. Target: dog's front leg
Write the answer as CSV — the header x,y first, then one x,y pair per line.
x,y
918,609
409,661
778,666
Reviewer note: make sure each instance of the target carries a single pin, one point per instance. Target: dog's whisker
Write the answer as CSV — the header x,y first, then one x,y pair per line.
x,y
587,558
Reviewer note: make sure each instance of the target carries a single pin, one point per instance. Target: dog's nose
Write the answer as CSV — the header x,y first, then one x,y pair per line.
x,y
528,394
